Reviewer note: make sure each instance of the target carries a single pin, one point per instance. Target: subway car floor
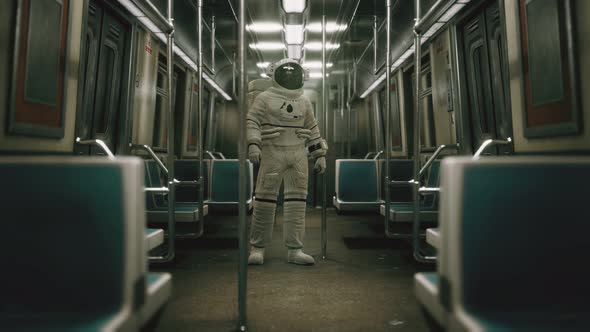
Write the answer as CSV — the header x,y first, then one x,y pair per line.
x,y
365,284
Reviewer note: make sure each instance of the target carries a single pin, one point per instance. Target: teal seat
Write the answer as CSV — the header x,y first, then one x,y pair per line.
x,y
223,190
77,232
155,237
357,187
157,204
188,170
404,211
514,234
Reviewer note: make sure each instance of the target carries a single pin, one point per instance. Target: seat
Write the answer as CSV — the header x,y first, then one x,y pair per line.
x,y
357,188
157,205
77,232
223,190
404,211
433,237
188,170
155,237
515,232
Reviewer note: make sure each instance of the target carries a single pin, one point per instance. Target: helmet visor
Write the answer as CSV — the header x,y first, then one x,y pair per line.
x,y
289,76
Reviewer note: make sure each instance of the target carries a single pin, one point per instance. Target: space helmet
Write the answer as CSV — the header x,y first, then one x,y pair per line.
x,y
287,73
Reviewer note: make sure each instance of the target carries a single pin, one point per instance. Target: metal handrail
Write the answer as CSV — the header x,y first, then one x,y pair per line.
x,y
161,164
152,154
97,142
368,154
210,154
379,153
220,155
436,153
490,142
432,15
155,16
160,190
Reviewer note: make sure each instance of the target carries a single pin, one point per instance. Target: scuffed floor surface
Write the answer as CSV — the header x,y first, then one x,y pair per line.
x,y
365,284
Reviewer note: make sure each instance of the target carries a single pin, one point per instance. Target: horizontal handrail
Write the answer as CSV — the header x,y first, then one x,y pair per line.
x,y
426,190
162,190
97,142
433,14
490,142
154,15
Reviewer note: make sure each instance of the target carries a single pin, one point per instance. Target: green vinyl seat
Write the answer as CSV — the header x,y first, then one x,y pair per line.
x,y
357,187
513,233
157,204
224,183
404,211
77,245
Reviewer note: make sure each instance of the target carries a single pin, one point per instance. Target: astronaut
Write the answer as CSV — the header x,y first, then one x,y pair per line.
x,y
281,131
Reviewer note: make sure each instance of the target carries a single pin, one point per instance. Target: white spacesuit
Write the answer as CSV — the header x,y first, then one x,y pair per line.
x,y
281,128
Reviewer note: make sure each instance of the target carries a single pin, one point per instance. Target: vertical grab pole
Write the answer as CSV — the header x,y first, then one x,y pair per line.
x,y
387,115
169,103
325,129
200,106
243,237
416,148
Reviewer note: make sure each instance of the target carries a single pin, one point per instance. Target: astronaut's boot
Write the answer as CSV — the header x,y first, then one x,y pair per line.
x,y
294,231
297,256
256,256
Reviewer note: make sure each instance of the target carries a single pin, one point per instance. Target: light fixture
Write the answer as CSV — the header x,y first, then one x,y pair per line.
x,y
264,27
330,27
268,46
315,64
263,75
317,46
262,65
294,51
317,75
294,6
294,33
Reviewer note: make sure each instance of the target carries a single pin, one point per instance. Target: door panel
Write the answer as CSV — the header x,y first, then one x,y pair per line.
x,y
104,59
485,75
478,81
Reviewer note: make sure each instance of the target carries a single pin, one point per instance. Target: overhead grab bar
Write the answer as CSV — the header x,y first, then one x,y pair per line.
x,y
155,16
490,142
97,142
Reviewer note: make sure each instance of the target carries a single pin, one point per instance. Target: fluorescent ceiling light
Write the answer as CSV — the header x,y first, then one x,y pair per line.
x,y
373,86
330,27
294,33
315,64
294,51
132,8
317,75
262,65
317,46
294,6
264,27
268,46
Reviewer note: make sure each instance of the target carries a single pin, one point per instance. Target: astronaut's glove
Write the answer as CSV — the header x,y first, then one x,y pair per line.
x,y
254,153
320,165
271,133
304,134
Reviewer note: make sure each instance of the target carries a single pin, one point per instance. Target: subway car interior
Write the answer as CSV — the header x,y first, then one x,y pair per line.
x,y
295,165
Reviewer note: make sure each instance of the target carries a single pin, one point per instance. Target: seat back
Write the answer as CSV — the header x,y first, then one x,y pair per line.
x,y
153,178
74,231
433,181
400,170
356,180
515,232
188,170
225,180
